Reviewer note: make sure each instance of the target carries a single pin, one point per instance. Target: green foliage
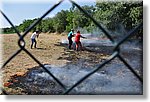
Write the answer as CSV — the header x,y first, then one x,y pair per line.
x,y
60,21
7,30
25,25
113,13
110,14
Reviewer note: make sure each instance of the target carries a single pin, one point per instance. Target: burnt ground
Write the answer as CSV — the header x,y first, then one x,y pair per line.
x,y
113,78
23,76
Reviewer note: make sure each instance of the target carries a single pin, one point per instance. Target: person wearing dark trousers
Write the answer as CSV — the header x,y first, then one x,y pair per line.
x,y
33,39
77,41
70,35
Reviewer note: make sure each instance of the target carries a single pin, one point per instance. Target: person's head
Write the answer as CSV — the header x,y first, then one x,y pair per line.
x,y
37,31
72,30
78,31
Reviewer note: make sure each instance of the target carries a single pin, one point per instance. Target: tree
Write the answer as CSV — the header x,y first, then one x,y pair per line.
x,y
113,13
110,14
60,21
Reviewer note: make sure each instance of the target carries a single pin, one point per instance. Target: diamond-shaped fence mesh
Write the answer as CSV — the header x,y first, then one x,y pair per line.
x,y
116,52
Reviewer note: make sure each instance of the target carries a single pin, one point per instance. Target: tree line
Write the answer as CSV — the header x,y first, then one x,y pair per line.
x,y
109,14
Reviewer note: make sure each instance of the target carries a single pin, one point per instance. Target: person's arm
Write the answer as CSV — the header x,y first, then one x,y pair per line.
x,y
37,34
73,35
83,37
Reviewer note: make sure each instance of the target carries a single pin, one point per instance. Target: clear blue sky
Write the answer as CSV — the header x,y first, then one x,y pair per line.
x,y
19,10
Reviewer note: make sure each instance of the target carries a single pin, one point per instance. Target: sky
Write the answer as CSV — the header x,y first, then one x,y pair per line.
x,y
19,10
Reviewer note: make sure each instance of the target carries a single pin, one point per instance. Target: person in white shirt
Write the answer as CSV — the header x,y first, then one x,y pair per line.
x,y
33,38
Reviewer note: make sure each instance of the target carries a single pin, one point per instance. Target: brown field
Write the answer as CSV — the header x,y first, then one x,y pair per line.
x,y
49,51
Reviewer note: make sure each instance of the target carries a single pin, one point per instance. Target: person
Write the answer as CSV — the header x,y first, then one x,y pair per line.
x,y
70,35
33,38
77,40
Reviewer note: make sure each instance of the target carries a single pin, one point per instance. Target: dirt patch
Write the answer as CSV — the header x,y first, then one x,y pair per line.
x,y
47,53
17,73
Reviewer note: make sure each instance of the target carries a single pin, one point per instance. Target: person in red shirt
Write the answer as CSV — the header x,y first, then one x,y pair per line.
x,y
77,40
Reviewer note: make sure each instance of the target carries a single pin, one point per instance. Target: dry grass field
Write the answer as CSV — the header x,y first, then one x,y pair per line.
x,y
48,51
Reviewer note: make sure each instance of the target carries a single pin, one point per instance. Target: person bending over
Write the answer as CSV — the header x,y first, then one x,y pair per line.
x,y
33,38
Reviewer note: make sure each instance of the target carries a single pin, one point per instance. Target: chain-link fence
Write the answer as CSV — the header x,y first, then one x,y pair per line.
x,y
116,52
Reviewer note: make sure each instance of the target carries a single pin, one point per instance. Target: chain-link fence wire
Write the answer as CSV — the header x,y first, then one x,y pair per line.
x,y
116,52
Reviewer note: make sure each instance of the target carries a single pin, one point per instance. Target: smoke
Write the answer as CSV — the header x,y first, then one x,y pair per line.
x,y
97,38
91,32
113,80
118,32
